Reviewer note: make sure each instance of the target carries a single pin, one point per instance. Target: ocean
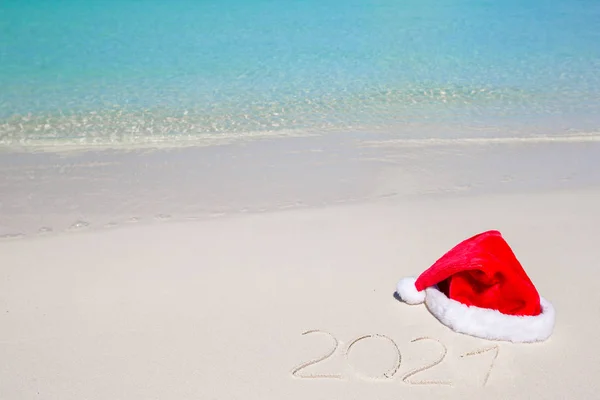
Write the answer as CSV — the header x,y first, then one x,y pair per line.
x,y
138,72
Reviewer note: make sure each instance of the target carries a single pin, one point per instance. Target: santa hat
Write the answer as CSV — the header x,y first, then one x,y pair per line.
x,y
479,288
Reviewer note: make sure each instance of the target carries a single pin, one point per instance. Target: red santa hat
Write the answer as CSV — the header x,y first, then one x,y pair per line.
x,y
479,288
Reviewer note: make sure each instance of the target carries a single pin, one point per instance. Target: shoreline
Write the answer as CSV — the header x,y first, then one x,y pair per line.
x,y
409,131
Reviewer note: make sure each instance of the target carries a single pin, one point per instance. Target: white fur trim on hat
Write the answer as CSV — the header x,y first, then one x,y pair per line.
x,y
490,324
408,292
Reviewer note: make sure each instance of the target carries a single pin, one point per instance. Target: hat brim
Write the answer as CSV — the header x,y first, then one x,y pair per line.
x,y
490,324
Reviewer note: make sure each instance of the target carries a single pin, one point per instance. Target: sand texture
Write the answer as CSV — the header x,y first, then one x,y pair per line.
x,y
294,305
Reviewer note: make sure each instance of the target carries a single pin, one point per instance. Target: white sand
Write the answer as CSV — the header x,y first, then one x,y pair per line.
x,y
216,309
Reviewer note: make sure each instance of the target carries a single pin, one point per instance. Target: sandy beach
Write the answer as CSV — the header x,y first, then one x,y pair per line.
x,y
282,285
299,200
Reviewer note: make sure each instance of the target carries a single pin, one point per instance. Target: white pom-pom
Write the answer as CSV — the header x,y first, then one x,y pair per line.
x,y
408,292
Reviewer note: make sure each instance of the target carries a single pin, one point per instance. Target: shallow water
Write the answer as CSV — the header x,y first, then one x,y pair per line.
x,y
138,72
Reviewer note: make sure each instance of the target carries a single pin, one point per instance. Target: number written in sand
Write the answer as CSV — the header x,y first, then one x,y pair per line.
x,y
392,371
495,349
424,368
408,378
318,359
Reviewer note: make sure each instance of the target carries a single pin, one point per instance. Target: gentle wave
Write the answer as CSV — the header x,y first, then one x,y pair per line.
x,y
222,121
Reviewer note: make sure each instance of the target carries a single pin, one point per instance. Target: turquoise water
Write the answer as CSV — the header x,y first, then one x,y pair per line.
x,y
139,71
